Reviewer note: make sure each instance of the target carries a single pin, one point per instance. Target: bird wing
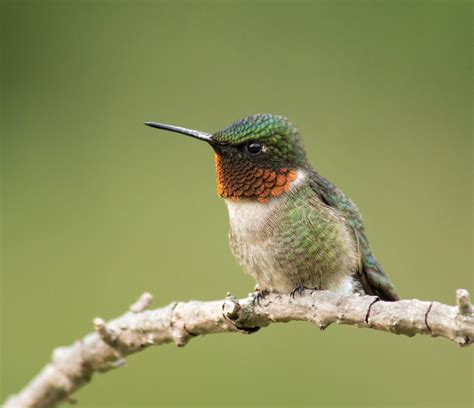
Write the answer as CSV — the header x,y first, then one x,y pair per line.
x,y
371,275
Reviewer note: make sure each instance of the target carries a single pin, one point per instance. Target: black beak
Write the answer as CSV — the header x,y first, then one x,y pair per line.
x,y
188,132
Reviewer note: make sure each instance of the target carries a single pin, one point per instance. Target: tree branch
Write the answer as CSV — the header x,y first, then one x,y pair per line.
x,y
72,367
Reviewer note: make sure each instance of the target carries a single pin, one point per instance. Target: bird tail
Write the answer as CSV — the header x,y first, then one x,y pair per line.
x,y
375,282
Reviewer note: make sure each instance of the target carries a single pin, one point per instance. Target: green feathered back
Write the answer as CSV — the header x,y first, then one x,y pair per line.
x,y
371,275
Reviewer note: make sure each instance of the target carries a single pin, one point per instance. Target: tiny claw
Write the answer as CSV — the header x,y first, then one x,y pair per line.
x,y
300,289
258,297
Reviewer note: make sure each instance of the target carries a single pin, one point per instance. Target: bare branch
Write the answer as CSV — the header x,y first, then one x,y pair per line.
x,y
143,303
73,366
464,302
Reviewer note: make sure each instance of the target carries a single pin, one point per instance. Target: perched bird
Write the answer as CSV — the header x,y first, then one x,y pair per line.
x,y
290,228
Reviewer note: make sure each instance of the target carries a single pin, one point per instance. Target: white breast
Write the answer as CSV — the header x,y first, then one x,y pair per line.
x,y
247,216
252,228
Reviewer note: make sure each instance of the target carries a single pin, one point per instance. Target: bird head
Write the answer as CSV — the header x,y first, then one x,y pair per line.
x,y
257,157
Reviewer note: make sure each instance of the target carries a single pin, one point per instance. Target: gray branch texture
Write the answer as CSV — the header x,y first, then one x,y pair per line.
x,y
72,367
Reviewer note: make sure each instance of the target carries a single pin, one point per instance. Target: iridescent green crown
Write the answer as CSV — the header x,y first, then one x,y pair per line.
x,y
255,127
280,137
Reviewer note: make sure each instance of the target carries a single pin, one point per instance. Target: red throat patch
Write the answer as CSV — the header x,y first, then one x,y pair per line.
x,y
249,181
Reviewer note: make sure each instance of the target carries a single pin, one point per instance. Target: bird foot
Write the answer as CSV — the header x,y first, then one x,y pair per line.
x,y
259,296
300,289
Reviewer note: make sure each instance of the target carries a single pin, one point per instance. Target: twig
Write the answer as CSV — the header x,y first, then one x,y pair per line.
x,y
73,366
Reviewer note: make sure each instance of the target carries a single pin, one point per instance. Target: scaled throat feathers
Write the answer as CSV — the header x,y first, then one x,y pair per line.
x,y
242,179
250,215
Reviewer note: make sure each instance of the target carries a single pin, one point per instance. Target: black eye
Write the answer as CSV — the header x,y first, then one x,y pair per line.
x,y
254,147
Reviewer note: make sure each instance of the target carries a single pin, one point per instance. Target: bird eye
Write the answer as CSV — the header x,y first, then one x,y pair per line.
x,y
254,147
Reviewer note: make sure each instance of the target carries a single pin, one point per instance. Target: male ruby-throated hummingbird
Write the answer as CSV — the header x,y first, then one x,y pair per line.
x,y
290,228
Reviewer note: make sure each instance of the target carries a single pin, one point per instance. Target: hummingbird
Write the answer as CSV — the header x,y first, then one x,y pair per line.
x,y
290,228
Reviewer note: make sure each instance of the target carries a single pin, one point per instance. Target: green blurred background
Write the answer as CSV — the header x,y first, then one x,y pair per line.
x,y
98,208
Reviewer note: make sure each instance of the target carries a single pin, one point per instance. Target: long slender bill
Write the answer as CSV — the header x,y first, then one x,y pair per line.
x,y
188,132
